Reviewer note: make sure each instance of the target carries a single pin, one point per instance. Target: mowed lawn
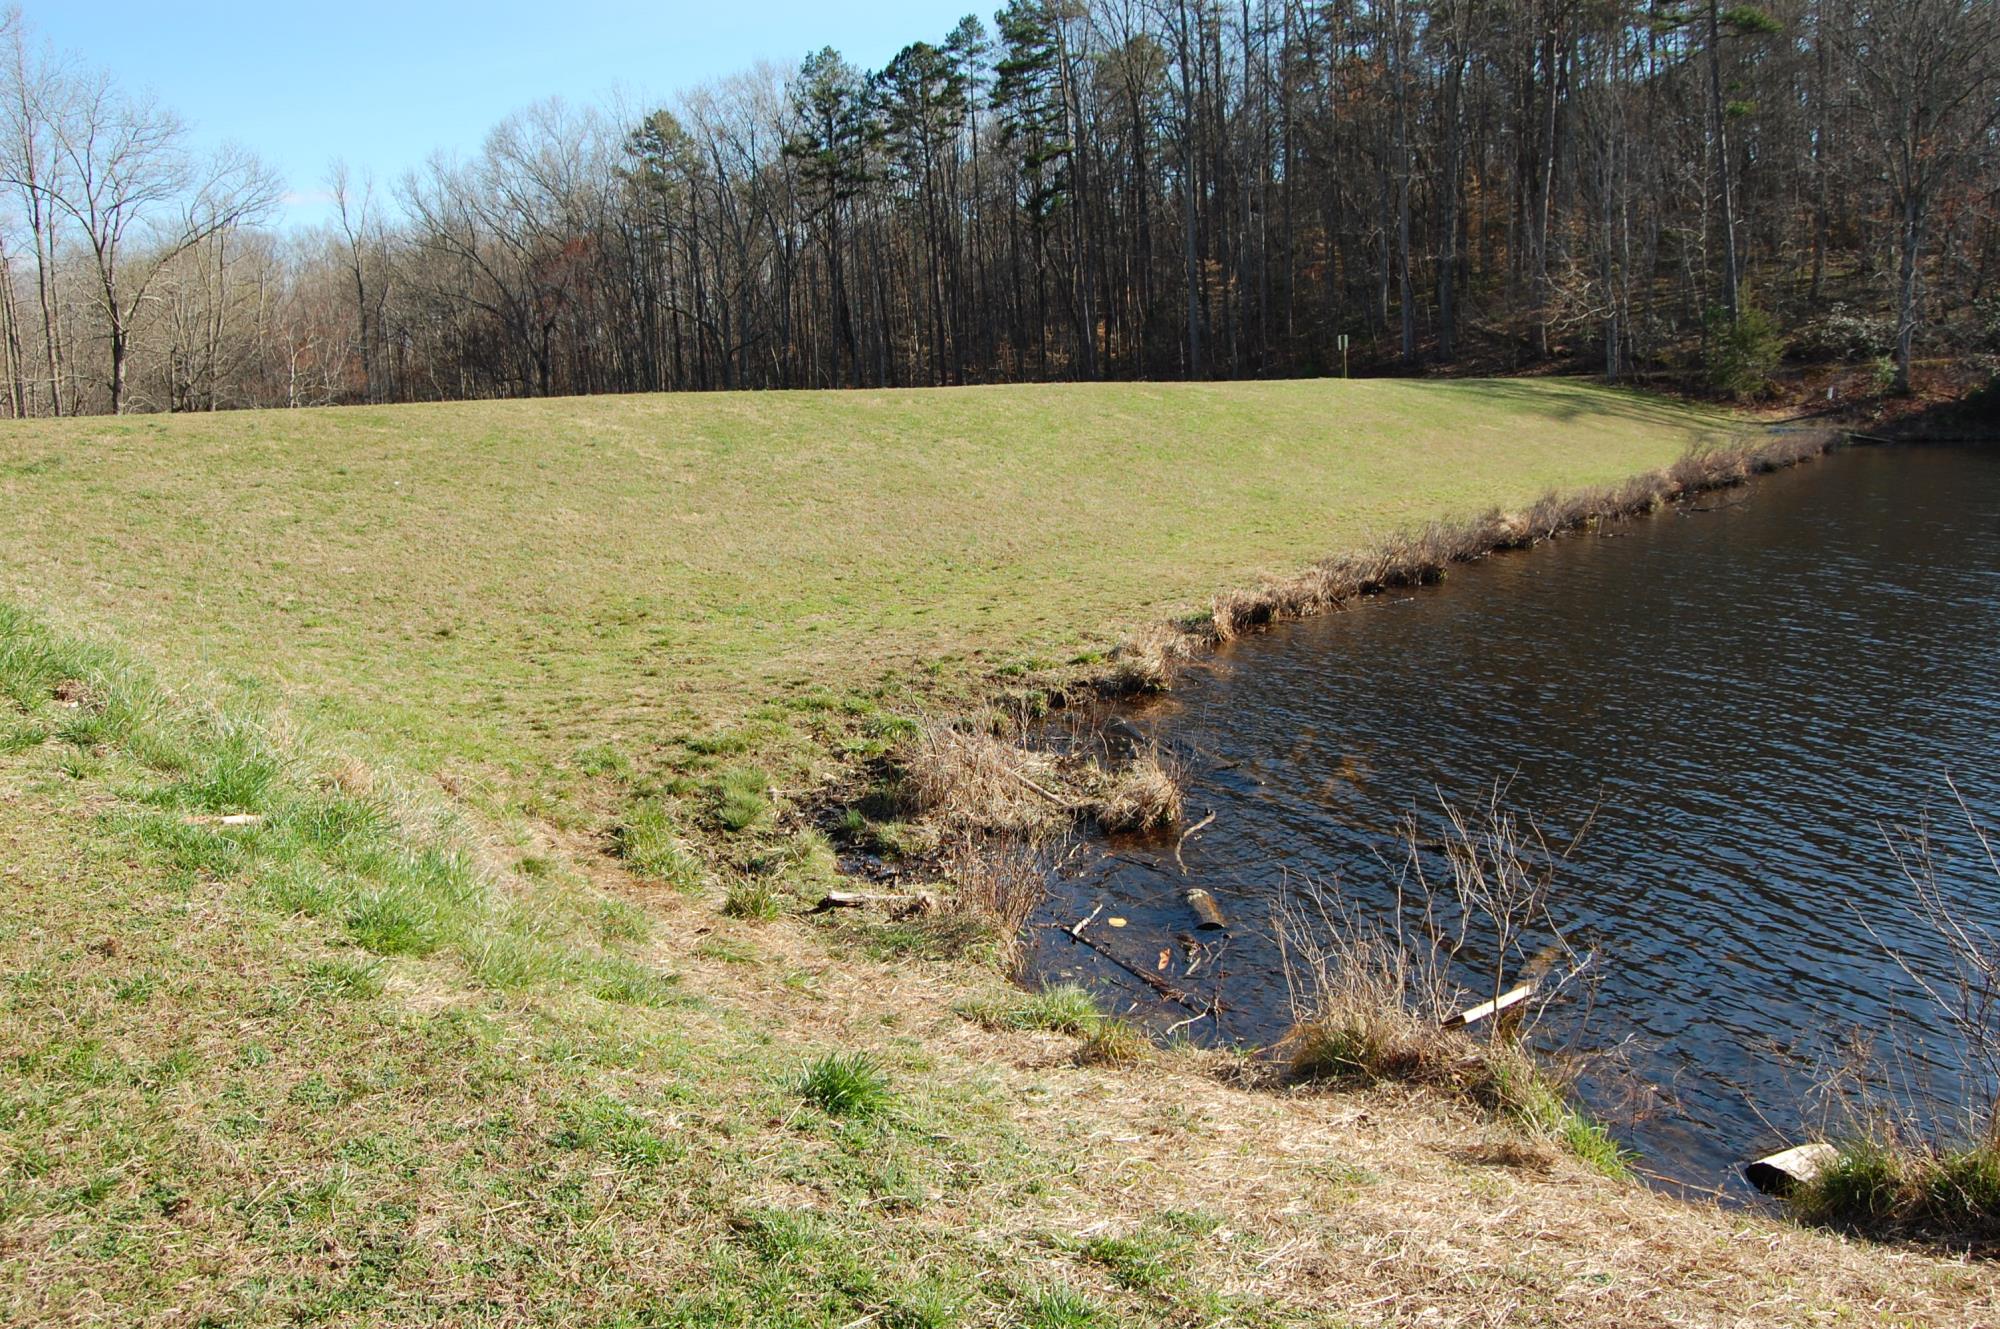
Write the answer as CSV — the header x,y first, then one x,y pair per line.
x,y
509,582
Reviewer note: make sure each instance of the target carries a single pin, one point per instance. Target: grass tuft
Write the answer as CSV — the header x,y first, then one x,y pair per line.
x,y
1897,1189
625,982
21,736
606,1126
1140,1262
1060,1008
1528,1095
742,799
845,1085
1060,1306
1142,795
1115,1042
755,899
649,840
352,980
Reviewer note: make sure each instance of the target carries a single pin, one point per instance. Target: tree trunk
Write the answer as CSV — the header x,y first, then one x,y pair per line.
x,y
1721,130
1906,301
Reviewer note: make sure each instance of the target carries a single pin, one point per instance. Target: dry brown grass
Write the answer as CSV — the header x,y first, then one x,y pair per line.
x,y
1367,1005
1148,662
1011,1152
972,780
1376,1207
1143,794
999,883
1422,556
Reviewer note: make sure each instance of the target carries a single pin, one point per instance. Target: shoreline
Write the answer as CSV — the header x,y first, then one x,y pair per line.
x,y
1148,667
1423,556
1146,664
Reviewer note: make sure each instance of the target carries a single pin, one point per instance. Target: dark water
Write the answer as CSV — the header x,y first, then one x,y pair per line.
x,y
1747,693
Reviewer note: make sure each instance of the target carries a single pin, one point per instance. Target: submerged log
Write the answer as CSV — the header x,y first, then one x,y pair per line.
x,y
1788,1169
1514,996
1153,981
1207,910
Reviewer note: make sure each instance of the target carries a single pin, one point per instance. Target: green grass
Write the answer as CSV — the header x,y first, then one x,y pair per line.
x,y
521,596
1895,1189
649,839
1062,1008
316,1071
845,1085
1527,1095
390,1054
753,898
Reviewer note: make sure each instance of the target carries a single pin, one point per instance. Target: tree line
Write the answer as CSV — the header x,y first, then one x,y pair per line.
x,y
1081,189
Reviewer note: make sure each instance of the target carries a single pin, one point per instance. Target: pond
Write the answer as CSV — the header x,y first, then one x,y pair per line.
x,y
1742,698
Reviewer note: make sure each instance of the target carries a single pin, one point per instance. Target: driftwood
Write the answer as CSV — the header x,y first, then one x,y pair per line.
x,y
1182,843
1779,1173
1514,996
1043,790
873,899
1084,922
233,819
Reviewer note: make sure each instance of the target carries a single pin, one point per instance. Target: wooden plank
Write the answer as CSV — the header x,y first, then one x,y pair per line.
x,y
1472,1014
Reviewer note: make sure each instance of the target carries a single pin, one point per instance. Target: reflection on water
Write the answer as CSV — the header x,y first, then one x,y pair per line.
x,y
1748,692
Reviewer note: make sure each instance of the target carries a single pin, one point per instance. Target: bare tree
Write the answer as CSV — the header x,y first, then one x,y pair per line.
x,y
140,200
1139,188
37,92
1929,75
361,236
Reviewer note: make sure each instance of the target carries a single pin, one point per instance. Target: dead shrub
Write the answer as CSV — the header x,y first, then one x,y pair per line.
x,y
978,781
1238,612
1554,513
1141,795
999,883
1148,662
1366,1006
1374,999
1640,494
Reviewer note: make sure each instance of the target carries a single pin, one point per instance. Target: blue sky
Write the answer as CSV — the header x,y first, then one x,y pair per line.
x,y
385,84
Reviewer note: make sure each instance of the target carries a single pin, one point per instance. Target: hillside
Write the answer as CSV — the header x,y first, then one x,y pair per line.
x,y
505,584
460,1019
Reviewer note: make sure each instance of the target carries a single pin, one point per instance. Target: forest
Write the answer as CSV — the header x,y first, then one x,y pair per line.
x,y
1073,190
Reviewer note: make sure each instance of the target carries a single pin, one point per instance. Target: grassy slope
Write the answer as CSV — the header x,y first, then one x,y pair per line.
x,y
313,1071
512,582
218,1110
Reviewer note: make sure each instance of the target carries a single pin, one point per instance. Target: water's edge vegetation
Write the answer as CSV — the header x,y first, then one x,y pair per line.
x,y
1368,1018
